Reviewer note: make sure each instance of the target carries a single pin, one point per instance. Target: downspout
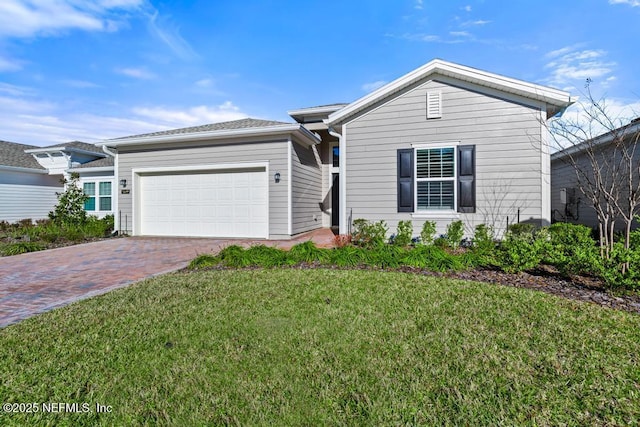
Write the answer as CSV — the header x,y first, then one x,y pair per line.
x,y
342,214
116,184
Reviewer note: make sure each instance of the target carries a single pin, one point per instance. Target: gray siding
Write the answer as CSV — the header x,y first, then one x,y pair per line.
x,y
306,189
509,163
26,201
273,152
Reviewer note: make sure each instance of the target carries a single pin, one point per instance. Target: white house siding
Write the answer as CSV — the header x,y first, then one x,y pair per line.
x,y
506,134
306,189
19,202
205,154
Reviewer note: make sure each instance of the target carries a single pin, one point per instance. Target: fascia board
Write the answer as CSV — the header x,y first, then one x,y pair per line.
x,y
20,169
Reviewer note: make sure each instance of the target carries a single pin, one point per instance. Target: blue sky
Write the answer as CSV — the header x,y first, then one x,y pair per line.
x,y
91,70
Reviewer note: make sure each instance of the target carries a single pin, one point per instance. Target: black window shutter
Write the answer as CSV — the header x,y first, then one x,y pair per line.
x,y
405,180
467,178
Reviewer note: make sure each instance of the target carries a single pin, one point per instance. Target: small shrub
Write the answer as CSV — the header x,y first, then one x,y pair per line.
x,y
307,252
433,258
21,248
233,256
521,250
386,256
428,232
521,228
483,245
203,261
267,256
341,240
441,242
348,256
455,231
572,249
403,236
369,234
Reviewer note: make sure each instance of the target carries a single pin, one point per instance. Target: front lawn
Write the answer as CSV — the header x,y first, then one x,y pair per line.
x,y
324,347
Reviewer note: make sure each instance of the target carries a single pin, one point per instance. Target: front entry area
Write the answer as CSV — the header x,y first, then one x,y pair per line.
x,y
206,203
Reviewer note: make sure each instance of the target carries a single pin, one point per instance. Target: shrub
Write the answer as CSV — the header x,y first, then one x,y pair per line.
x,y
386,256
369,234
428,232
520,228
572,249
70,207
267,256
307,252
348,256
432,258
233,256
521,250
403,236
483,246
21,248
455,231
612,273
203,261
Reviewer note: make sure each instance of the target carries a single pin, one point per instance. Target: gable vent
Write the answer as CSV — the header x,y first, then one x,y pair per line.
x,y
434,105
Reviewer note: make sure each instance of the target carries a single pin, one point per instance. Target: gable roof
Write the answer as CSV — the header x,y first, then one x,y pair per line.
x,y
72,146
13,154
105,162
219,131
556,99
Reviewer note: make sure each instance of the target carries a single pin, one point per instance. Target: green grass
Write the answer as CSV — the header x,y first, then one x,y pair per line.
x,y
325,347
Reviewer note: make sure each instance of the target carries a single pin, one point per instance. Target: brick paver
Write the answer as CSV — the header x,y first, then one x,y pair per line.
x,y
40,281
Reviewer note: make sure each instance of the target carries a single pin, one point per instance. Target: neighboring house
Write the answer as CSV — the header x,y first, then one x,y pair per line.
x,y
442,143
568,204
30,177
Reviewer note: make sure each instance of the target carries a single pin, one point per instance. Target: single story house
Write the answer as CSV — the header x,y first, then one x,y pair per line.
x,y
572,166
31,177
441,143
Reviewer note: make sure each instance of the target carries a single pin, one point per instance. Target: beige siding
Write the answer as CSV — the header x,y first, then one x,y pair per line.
x,y
273,152
507,137
306,189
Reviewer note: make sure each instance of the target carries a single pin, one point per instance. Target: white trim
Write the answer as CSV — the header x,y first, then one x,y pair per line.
x,y
453,179
342,221
545,173
436,215
96,169
439,144
96,196
434,111
545,94
289,187
137,173
302,134
316,110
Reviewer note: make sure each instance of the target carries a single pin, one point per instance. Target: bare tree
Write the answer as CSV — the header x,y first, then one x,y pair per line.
x,y
603,154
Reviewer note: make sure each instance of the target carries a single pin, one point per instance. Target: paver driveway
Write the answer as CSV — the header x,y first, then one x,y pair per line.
x,y
40,281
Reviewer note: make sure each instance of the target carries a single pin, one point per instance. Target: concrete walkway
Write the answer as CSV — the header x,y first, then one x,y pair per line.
x,y
40,281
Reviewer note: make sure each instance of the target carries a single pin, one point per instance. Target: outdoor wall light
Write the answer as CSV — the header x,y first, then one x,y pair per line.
x,y
276,177
123,183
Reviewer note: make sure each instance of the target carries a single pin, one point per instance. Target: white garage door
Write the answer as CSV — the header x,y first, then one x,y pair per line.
x,y
223,203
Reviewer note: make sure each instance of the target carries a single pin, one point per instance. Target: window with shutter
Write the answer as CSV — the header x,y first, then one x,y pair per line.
x,y
434,105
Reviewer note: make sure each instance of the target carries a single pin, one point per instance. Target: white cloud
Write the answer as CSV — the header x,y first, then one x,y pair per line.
x,y
418,5
570,67
9,65
136,73
80,84
460,33
632,3
370,87
467,8
475,22
198,115
29,18
161,28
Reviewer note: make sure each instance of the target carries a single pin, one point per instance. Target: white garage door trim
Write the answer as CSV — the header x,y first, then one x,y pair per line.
x,y
139,173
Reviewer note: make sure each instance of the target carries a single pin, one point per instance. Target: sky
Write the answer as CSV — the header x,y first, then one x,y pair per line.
x,y
100,69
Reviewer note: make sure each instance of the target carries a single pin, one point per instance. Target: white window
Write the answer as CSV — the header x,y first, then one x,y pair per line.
x,y
435,179
100,196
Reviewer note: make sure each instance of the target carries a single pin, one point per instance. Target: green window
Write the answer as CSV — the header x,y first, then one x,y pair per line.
x,y
90,190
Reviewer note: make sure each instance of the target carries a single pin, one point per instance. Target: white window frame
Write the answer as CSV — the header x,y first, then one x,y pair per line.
x,y
97,196
454,179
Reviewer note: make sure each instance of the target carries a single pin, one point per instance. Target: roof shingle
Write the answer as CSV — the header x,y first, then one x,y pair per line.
x,y
12,154
235,124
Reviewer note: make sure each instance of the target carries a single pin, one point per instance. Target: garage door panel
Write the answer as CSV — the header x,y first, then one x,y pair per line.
x,y
215,204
